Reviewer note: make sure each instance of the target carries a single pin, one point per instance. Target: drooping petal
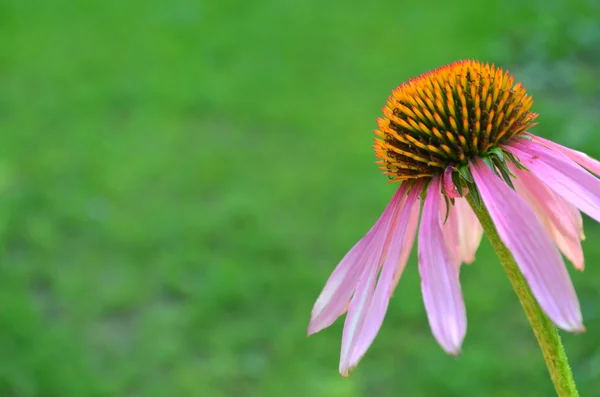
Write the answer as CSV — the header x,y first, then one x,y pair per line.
x,y
369,306
356,315
580,158
557,216
462,231
449,187
333,300
570,247
532,248
449,219
409,239
576,215
440,283
561,174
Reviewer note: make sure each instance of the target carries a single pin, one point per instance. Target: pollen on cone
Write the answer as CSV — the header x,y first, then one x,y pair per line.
x,y
447,116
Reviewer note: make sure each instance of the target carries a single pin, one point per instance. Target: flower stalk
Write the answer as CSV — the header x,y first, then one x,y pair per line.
x,y
545,332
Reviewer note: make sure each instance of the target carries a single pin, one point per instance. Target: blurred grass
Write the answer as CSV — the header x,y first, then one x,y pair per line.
x,y
178,179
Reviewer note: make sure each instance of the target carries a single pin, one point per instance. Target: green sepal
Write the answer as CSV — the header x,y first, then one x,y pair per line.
x,y
488,161
447,200
504,171
513,159
497,152
474,194
465,173
458,182
423,194
529,138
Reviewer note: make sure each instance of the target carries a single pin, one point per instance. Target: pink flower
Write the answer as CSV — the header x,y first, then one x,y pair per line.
x,y
460,130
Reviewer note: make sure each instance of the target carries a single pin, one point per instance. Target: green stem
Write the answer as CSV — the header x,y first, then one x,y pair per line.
x,y
544,330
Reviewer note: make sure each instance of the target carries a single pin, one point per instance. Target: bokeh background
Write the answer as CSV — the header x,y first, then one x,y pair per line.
x,y
179,178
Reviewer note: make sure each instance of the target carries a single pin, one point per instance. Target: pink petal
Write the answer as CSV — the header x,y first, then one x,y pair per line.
x,y
562,175
369,306
558,217
532,248
356,314
576,215
333,300
469,230
450,229
409,239
439,277
449,187
580,158
462,231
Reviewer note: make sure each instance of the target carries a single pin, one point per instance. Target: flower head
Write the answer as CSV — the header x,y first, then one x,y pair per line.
x,y
462,130
448,116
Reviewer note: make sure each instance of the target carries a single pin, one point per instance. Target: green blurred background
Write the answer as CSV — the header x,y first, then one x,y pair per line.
x,y
179,178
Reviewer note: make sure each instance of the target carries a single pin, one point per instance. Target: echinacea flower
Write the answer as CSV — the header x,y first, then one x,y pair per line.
x,y
463,130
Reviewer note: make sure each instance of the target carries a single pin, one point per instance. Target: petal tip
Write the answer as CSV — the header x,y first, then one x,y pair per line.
x,y
469,260
346,369
457,353
454,351
453,345
579,264
573,327
314,326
